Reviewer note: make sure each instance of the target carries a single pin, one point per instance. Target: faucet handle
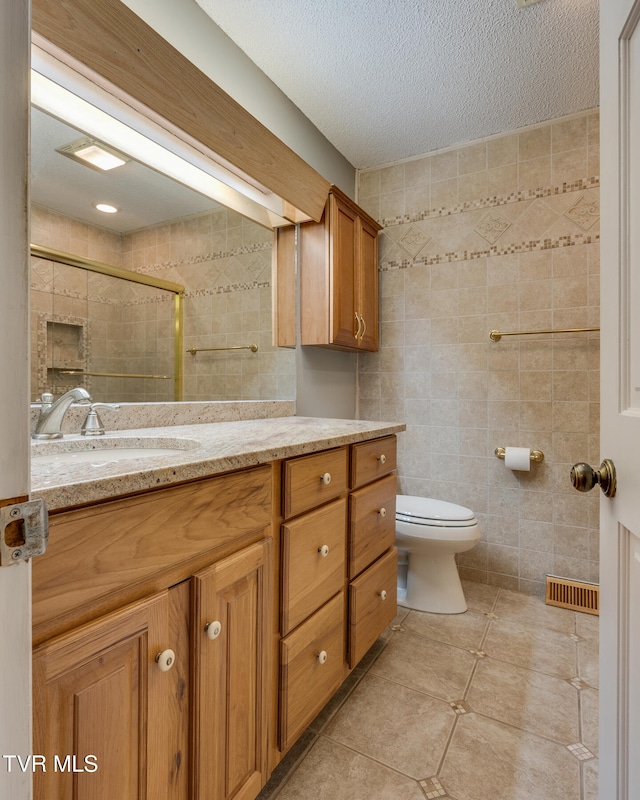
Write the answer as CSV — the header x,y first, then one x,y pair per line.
x,y
92,426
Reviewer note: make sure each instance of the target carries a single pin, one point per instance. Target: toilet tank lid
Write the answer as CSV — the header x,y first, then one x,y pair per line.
x,y
428,508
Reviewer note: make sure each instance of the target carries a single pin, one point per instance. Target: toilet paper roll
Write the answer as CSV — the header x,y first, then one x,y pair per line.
x,y
517,458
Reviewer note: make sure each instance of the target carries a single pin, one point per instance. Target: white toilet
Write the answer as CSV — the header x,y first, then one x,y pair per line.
x,y
431,532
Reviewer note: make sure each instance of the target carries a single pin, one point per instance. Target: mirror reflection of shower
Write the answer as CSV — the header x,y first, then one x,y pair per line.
x,y
162,230
119,339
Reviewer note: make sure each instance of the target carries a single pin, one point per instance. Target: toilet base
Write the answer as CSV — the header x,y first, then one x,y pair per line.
x,y
433,585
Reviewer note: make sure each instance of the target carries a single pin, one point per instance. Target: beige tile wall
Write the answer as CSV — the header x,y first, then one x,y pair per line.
x,y
498,234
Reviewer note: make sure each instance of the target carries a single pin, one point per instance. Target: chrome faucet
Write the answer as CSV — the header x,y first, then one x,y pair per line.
x,y
49,422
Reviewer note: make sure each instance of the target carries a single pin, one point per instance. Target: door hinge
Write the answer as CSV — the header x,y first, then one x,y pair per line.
x,y
24,531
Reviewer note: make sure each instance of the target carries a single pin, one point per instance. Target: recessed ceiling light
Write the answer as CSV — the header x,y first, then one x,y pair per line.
x,y
526,3
106,208
93,153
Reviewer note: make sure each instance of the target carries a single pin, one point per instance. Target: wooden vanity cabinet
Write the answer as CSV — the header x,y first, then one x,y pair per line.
x,y
373,558
198,729
162,653
333,607
312,653
338,278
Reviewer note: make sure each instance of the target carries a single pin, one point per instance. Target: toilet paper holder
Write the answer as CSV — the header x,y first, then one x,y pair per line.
x,y
536,455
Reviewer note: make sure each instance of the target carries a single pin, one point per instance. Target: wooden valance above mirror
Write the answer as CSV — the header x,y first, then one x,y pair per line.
x,y
109,39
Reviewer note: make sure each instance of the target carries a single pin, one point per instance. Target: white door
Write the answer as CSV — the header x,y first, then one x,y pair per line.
x,y
620,399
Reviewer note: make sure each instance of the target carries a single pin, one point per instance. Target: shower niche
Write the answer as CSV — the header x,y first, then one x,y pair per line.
x,y
62,348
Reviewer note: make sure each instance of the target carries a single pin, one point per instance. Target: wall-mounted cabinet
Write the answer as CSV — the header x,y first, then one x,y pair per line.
x,y
338,259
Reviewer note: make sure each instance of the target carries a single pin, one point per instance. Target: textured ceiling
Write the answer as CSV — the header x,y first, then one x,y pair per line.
x,y
385,80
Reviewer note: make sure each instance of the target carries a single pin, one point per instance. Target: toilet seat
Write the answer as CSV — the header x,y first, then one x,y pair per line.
x,y
435,513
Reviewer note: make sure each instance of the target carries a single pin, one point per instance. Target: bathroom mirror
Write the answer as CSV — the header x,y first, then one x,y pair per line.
x,y
165,231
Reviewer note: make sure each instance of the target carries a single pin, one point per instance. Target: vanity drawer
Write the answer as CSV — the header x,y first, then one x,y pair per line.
x,y
372,604
313,556
371,460
310,481
311,669
372,528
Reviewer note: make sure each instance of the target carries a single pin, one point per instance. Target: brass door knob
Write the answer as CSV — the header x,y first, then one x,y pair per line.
x,y
584,477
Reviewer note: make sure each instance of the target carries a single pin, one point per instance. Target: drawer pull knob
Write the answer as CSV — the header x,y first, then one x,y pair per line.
x,y
322,656
213,629
382,459
324,550
383,512
326,478
165,660
383,594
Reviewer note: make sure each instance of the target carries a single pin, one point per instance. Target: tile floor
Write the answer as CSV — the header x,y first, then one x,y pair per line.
x,y
499,703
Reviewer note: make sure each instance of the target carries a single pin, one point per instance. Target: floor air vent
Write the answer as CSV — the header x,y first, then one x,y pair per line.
x,y
575,595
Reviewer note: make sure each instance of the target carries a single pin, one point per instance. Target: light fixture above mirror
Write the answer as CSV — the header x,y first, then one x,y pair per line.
x,y
64,94
93,153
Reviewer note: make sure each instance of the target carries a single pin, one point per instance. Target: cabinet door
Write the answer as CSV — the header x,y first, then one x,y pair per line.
x,y
367,289
344,232
101,709
231,680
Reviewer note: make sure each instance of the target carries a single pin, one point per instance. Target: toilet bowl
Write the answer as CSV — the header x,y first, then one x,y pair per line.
x,y
431,532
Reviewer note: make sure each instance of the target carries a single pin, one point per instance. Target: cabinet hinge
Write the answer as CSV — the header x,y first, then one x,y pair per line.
x,y
24,531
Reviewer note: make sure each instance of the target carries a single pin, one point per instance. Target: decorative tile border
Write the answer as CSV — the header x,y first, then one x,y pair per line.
x,y
231,287
204,257
585,212
492,226
511,249
495,200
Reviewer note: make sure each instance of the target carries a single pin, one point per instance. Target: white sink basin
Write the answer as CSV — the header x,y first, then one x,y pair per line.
x,y
98,452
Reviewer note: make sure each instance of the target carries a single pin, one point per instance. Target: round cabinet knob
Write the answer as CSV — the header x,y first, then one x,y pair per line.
x,y
324,550
383,594
382,459
165,660
383,512
322,656
326,478
213,629
584,477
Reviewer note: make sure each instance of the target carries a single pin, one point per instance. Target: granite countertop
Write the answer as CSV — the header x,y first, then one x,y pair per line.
x,y
195,451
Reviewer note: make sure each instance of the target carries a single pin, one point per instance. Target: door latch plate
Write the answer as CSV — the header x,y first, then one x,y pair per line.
x,y
24,531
